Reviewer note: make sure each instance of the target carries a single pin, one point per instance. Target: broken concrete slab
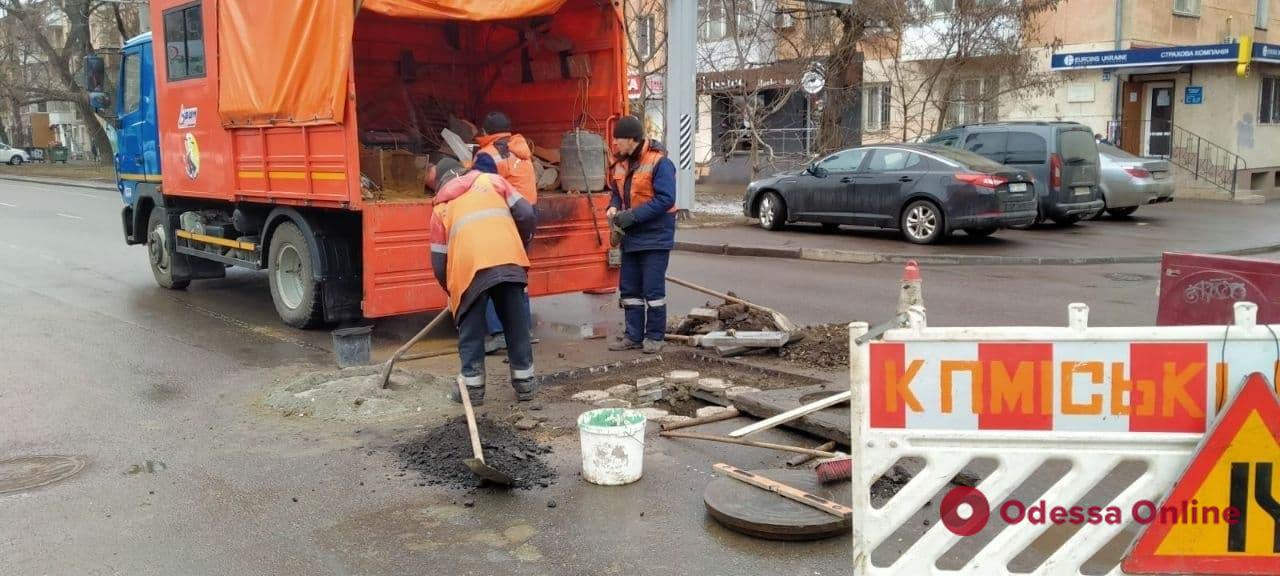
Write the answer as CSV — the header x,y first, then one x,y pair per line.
x,y
682,376
704,314
711,411
736,391
830,423
643,384
590,396
714,385
612,403
621,390
763,339
674,419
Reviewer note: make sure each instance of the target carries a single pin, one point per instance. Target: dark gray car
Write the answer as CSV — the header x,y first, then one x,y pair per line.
x,y
925,191
1063,157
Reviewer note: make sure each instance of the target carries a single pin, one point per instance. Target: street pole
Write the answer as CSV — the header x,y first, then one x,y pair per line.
x,y
681,115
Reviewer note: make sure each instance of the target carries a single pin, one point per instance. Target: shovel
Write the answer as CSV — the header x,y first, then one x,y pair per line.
x,y
477,465
779,319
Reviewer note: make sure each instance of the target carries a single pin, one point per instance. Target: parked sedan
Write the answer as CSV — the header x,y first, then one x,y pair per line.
x,y
12,156
1130,181
924,190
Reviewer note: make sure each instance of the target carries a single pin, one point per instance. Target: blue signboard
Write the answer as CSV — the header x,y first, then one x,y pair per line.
x,y
1193,95
1266,52
1152,56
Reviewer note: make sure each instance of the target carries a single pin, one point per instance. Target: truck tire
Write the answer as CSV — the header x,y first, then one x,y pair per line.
x,y
160,251
291,271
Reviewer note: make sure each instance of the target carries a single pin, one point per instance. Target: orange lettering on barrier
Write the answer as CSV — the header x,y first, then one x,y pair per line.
x,y
1015,392
1147,388
949,368
1175,389
1220,387
1119,385
1069,405
1046,388
900,387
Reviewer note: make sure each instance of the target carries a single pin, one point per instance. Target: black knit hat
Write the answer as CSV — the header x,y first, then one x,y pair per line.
x,y
629,127
447,169
496,123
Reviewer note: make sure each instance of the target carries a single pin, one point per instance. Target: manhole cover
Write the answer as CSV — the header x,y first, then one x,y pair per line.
x,y
1126,277
28,472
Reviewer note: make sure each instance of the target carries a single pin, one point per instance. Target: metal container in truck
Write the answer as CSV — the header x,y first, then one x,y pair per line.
x,y
292,136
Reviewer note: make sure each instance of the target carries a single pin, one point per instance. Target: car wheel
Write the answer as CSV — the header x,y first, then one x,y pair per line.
x,y
830,228
773,212
980,232
293,286
160,251
1066,220
1122,212
922,222
15,160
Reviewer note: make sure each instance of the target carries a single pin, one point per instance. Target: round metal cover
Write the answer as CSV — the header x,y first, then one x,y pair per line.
x,y
757,512
29,472
813,82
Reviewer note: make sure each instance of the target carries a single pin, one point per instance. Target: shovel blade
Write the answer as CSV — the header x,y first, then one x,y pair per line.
x,y
479,468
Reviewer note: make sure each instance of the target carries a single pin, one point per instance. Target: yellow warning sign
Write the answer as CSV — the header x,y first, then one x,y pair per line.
x,y
1223,514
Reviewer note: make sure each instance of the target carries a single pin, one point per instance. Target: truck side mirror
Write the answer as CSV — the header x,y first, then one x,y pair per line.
x,y
93,75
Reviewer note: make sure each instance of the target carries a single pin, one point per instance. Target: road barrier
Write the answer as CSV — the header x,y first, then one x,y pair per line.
x,y
1023,401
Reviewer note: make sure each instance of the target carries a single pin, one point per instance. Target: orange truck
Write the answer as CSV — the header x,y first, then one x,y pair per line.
x,y
292,136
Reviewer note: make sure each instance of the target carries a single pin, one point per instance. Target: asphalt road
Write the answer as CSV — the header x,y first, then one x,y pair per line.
x,y
187,473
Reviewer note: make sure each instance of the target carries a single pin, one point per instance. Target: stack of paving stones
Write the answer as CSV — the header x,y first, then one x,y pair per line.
x,y
643,394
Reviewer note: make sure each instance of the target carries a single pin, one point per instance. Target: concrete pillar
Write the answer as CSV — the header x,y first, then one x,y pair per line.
x,y
681,116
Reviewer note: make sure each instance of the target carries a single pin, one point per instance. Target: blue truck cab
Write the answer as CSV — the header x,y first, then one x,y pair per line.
x,y
137,158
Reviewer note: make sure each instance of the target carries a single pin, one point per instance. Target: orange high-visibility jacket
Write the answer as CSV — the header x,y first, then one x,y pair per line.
x,y
474,229
514,158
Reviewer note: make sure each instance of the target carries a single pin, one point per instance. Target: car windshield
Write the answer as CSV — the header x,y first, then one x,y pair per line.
x,y
963,157
1114,152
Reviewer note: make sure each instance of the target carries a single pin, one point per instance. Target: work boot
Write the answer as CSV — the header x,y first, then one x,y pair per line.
x,y
495,344
653,346
475,392
525,389
625,344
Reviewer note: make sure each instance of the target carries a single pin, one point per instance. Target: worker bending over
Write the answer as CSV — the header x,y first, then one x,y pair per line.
x,y
479,233
642,203
510,156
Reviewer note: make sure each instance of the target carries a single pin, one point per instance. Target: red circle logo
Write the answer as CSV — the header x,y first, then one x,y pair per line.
x,y
965,511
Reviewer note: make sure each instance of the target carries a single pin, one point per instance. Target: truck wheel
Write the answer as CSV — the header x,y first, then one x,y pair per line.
x,y
293,286
160,251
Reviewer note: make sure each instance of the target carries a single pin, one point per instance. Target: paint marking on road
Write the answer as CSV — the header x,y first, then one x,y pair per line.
x,y
71,216
87,195
8,205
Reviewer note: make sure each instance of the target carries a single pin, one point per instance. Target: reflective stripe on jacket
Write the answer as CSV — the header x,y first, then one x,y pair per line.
x,y
476,230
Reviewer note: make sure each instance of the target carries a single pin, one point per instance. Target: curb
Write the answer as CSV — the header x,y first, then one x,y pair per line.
x,y
67,183
854,257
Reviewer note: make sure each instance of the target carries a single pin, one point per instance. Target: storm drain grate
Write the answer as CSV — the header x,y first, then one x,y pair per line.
x,y
30,472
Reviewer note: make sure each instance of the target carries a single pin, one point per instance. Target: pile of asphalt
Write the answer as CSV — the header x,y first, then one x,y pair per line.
x,y
439,453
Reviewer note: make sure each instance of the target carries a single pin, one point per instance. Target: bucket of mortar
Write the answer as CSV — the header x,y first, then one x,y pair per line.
x,y
351,345
612,445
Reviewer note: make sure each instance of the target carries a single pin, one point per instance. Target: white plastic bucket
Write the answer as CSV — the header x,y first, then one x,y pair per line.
x,y
612,445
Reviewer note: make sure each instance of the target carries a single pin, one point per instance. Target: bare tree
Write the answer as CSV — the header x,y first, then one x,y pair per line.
x,y
646,44
953,61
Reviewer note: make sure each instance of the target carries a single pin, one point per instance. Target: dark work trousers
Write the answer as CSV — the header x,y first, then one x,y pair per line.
x,y
643,288
495,324
508,301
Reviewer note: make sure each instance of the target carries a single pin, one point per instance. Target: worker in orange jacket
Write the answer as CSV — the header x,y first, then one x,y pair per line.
x,y
480,230
509,155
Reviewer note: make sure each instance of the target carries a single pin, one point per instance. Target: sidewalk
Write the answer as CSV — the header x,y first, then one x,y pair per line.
x,y
1184,225
51,181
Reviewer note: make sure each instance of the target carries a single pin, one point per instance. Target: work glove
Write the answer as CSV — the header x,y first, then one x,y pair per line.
x,y
624,219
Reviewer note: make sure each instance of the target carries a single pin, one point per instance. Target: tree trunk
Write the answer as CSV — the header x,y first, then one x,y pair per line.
x,y
844,79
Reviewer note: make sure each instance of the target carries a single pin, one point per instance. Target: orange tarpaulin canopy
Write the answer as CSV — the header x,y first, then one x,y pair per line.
x,y
288,61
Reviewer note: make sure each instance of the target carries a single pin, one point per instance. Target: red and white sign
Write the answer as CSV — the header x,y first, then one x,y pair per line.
x,y
655,85
1065,386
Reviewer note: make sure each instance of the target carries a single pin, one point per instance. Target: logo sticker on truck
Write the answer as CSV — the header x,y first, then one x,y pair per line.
x,y
187,117
191,156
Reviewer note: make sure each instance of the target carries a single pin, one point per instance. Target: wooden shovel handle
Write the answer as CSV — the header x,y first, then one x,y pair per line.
x,y
471,421
720,295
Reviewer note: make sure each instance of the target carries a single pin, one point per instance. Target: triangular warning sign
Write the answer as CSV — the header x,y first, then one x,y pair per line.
x,y
1223,514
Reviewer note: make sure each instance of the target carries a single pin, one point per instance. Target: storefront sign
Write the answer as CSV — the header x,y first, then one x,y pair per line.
x,y
655,85
1150,57
1266,52
1193,95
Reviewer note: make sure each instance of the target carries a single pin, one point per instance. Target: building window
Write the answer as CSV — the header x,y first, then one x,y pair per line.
x,y
1186,7
876,107
1262,15
972,100
711,20
646,34
1269,110
184,42
942,6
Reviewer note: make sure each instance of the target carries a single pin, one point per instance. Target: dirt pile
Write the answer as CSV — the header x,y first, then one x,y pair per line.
x,y
824,346
729,316
439,453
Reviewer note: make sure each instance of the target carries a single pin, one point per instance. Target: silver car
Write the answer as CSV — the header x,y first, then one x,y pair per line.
x,y
1130,181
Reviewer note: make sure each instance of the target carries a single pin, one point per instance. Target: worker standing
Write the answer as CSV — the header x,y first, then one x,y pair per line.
x,y
480,230
642,203
510,156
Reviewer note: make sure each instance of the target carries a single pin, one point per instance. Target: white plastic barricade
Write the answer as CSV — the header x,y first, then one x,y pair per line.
x,y
1020,397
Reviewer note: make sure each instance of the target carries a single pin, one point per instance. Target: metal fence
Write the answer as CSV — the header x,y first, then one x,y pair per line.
x,y
1205,160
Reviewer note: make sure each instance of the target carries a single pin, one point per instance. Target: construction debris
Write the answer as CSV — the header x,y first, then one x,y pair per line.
x,y
746,339
590,396
710,411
